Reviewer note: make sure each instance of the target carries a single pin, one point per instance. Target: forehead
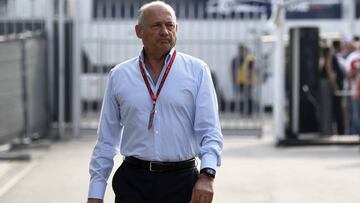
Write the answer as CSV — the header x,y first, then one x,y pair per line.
x,y
158,13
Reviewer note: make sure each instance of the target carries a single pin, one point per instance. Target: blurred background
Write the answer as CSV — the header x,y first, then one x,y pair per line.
x,y
286,72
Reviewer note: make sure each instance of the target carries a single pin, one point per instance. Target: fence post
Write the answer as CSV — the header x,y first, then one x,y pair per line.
x,y
50,58
279,81
25,136
61,104
76,103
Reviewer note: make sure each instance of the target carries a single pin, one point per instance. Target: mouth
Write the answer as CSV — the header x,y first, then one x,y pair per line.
x,y
164,40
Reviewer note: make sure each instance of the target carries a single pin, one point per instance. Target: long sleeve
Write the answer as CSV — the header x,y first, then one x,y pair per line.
x,y
108,143
207,125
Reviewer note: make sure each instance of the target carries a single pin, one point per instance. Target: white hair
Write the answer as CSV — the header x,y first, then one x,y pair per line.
x,y
154,3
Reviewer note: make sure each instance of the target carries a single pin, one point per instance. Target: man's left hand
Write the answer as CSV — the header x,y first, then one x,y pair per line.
x,y
203,191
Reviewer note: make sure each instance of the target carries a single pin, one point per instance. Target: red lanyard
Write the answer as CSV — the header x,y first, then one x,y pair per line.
x,y
155,97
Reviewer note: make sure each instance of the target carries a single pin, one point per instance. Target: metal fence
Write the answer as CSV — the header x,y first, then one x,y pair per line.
x,y
108,38
23,87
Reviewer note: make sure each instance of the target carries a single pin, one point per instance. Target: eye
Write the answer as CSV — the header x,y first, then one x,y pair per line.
x,y
156,26
170,26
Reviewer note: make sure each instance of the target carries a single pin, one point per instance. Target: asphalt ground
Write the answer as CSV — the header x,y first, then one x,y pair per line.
x,y
253,170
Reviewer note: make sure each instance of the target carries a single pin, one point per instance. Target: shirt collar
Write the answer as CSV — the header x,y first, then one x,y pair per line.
x,y
141,55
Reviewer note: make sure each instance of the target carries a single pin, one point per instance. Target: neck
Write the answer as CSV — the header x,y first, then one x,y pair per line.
x,y
155,57
154,64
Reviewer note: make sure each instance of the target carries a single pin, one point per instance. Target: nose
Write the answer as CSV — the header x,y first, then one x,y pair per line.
x,y
164,31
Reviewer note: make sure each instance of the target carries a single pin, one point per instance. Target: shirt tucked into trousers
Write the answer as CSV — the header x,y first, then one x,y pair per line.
x,y
185,125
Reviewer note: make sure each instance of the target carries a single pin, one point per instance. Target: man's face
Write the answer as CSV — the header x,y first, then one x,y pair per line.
x,y
159,31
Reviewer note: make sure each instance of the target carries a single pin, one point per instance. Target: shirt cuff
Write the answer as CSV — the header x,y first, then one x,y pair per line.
x,y
208,161
97,190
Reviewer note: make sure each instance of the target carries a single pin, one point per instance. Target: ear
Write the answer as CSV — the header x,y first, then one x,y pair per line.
x,y
138,31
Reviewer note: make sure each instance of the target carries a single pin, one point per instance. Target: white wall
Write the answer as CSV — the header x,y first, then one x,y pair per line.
x,y
39,8
27,8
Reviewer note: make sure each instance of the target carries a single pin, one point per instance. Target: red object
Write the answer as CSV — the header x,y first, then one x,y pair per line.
x,y
152,95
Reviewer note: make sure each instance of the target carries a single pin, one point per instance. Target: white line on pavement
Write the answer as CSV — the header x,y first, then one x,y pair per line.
x,y
9,184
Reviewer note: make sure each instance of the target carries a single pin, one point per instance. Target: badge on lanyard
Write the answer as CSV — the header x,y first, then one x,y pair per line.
x,y
151,117
152,96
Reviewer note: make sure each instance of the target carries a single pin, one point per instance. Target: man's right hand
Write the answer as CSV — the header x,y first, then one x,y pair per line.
x,y
92,200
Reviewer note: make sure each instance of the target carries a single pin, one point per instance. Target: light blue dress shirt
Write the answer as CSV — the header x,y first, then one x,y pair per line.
x,y
186,122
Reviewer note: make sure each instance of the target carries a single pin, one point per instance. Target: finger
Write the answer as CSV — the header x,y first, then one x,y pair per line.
x,y
202,199
194,197
211,198
206,198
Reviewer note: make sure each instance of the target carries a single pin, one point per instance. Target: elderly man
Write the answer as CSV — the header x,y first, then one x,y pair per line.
x,y
160,111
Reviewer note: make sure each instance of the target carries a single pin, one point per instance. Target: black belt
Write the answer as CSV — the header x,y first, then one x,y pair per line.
x,y
155,166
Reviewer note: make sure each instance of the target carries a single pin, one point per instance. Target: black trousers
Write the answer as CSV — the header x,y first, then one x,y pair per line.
x,y
132,184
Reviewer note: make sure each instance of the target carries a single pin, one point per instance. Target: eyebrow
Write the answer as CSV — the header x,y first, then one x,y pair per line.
x,y
162,22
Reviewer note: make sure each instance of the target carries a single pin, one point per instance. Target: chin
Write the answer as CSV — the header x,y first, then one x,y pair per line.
x,y
165,48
